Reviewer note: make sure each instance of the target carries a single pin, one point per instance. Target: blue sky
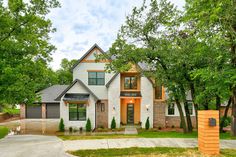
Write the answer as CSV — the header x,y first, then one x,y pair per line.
x,y
81,23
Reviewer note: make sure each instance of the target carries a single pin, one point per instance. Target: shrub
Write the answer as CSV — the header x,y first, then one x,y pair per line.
x,y
113,123
61,125
80,129
70,129
227,121
88,125
159,128
172,126
147,124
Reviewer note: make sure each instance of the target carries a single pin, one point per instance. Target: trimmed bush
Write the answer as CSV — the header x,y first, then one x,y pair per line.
x,y
113,123
88,125
61,125
147,124
227,121
70,129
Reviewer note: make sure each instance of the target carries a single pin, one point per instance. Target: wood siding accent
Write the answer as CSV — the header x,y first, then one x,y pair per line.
x,y
93,61
123,110
208,136
163,94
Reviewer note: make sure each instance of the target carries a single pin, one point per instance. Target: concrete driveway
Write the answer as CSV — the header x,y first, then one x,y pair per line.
x,y
32,146
33,126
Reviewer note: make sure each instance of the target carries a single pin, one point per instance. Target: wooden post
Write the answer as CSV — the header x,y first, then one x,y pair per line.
x,y
208,132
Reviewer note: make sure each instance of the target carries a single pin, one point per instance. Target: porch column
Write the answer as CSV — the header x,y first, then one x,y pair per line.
x,y
44,111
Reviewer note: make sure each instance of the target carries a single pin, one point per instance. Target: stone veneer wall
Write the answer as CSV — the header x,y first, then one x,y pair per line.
x,y
159,114
44,110
175,121
161,120
102,116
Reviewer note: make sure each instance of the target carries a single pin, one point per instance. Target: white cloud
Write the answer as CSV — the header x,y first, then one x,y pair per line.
x,y
81,23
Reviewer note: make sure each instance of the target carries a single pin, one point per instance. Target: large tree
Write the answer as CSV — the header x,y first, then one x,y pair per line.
x,y
216,22
24,47
64,74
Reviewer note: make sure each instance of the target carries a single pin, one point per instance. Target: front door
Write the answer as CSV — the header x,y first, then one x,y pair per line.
x,y
130,113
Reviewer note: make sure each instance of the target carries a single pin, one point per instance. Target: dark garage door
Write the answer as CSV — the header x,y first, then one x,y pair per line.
x,y
53,111
34,111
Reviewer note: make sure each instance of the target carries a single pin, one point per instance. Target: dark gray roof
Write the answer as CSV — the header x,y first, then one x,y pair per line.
x,y
49,94
95,45
73,97
72,84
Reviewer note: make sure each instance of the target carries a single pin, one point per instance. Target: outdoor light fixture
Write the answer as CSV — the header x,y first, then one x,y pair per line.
x,y
131,101
147,107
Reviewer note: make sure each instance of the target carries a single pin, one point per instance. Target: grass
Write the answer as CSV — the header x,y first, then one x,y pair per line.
x,y
143,152
141,134
3,131
11,111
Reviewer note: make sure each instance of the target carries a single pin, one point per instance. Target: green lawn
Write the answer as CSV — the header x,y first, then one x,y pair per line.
x,y
141,134
143,152
3,131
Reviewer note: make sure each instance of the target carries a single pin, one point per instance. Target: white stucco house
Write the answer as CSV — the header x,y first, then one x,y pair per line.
x,y
129,97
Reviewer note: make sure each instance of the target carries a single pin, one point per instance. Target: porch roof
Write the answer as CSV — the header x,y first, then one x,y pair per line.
x,y
74,97
130,94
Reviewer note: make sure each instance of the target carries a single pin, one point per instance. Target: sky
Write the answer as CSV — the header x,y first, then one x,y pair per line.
x,y
82,23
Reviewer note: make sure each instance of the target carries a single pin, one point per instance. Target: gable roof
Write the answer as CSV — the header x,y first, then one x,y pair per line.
x,y
48,95
87,53
71,85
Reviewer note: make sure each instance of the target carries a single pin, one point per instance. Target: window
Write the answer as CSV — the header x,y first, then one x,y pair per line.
x,y
130,82
190,108
77,112
171,109
158,92
96,78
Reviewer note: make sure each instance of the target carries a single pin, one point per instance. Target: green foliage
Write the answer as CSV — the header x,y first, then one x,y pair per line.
x,y
3,131
88,125
64,74
227,121
61,125
147,124
25,49
11,111
113,123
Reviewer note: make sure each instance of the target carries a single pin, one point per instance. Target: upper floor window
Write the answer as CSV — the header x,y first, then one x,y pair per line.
x,y
130,82
158,92
96,78
171,109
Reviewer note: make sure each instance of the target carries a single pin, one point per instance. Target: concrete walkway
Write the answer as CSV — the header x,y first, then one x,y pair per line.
x,y
32,146
139,142
131,131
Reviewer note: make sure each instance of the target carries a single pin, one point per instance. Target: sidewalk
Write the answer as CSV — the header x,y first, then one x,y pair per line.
x,y
139,142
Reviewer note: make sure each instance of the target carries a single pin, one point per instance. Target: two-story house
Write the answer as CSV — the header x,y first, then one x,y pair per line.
x,y
129,97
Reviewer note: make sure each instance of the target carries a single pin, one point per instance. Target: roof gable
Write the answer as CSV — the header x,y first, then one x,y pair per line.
x,y
94,48
72,84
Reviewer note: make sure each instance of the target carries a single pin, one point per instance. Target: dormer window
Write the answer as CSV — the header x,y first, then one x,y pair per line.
x,y
96,78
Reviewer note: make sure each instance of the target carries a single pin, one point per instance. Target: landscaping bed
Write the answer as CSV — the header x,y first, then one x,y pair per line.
x,y
143,152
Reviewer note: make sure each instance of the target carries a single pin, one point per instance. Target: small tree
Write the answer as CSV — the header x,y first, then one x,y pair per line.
x,y
113,123
147,124
88,125
61,125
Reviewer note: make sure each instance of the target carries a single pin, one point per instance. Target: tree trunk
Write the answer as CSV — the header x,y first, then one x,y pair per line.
x,y
182,119
192,90
225,115
188,117
217,102
233,125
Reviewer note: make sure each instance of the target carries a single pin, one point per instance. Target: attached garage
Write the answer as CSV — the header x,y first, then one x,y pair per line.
x,y
34,111
53,110
48,108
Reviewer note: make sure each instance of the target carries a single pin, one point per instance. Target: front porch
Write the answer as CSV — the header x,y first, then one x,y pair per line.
x,y
130,112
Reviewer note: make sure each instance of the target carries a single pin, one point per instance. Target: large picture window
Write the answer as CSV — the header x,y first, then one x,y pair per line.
x,y
96,78
158,92
171,109
77,112
130,82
